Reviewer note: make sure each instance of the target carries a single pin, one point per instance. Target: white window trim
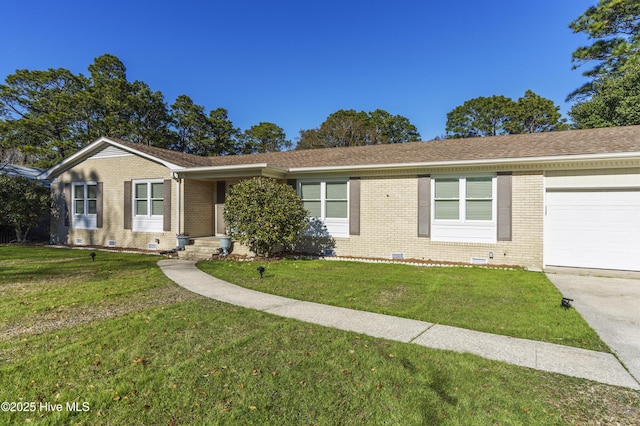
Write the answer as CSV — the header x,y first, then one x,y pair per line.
x,y
337,227
147,222
463,230
84,220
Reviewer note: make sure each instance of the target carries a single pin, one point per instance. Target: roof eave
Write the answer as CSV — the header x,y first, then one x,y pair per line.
x,y
92,148
541,162
236,170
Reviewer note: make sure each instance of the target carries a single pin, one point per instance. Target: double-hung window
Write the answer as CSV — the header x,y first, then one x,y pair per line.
x,y
464,209
148,205
479,198
447,199
327,202
85,205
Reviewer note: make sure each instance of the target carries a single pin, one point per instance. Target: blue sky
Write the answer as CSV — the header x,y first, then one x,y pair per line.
x,y
295,62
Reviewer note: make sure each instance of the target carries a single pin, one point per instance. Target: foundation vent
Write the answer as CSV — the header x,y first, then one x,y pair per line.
x,y
152,246
479,261
111,243
79,241
397,256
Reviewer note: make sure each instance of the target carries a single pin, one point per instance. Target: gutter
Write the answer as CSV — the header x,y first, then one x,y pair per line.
x,y
258,168
265,169
484,162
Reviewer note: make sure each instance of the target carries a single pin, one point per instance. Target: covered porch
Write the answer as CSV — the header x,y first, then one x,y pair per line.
x,y
200,198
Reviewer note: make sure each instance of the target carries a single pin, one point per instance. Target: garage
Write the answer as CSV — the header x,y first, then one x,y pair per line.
x,y
593,228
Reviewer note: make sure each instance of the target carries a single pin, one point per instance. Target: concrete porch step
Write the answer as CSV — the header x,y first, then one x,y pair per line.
x,y
200,248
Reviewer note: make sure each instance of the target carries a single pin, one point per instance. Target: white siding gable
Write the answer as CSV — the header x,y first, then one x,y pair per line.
x,y
111,151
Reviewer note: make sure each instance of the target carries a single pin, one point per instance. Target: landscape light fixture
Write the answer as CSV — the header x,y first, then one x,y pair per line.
x,y
93,256
566,302
260,270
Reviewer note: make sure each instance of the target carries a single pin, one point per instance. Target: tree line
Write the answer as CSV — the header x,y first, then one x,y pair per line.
x,y
46,116
499,115
610,97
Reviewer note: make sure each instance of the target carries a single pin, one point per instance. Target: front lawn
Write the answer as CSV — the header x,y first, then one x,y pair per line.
x,y
515,303
127,346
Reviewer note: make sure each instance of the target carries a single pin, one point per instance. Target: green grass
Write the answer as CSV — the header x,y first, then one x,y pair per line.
x,y
154,354
53,283
515,303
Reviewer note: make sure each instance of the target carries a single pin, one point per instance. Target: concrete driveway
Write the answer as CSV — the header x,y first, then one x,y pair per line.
x,y
610,303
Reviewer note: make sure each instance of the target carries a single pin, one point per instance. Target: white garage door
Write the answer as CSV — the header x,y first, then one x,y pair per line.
x,y
593,229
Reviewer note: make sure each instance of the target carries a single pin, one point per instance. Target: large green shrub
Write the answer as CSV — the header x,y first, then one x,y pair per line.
x,y
264,215
23,203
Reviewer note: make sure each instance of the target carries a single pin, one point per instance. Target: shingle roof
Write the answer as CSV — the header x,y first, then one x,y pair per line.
x,y
548,144
175,157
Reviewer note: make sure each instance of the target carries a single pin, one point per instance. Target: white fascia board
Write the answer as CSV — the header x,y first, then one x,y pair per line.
x,y
94,146
259,169
484,162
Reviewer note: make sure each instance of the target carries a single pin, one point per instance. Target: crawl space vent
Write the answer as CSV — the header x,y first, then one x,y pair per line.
x,y
397,256
111,243
152,246
479,261
79,241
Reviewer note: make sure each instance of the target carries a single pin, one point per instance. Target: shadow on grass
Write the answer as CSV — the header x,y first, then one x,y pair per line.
x,y
433,409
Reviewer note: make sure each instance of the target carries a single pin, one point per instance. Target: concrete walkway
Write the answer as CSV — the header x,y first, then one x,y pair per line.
x,y
596,366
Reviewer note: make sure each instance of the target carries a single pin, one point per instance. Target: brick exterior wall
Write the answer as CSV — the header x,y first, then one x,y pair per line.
x,y
389,225
112,172
388,216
